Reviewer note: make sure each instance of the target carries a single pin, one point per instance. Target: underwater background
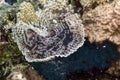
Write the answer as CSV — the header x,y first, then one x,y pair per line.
x,y
95,60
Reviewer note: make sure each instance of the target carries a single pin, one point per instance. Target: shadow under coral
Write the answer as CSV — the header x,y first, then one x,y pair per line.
x,y
88,57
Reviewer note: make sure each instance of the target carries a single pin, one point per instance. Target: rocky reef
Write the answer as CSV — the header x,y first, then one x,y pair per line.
x,y
59,39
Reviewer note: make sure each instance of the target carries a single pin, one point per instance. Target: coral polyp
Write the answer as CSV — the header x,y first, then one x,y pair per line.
x,y
58,35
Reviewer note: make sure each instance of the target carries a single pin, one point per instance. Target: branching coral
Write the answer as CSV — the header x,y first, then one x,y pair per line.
x,y
59,33
103,23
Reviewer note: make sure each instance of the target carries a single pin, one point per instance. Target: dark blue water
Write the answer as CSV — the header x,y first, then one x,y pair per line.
x,y
10,2
87,58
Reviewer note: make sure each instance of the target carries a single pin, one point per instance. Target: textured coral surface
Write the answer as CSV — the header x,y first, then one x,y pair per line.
x,y
103,23
88,3
59,33
27,13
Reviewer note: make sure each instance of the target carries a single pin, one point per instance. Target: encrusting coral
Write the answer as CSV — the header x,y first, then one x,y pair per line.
x,y
103,23
59,33
27,13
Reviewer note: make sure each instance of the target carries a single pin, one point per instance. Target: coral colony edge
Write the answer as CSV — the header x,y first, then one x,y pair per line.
x,y
56,30
56,34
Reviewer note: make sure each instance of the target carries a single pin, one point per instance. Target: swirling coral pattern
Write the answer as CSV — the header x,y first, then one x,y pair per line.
x,y
42,43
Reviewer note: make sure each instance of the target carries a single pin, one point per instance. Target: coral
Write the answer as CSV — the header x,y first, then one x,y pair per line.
x,y
41,43
27,74
32,75
27,13
118,48
50,2
102,23
16,75
114,70
88,3
52,9
59,32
